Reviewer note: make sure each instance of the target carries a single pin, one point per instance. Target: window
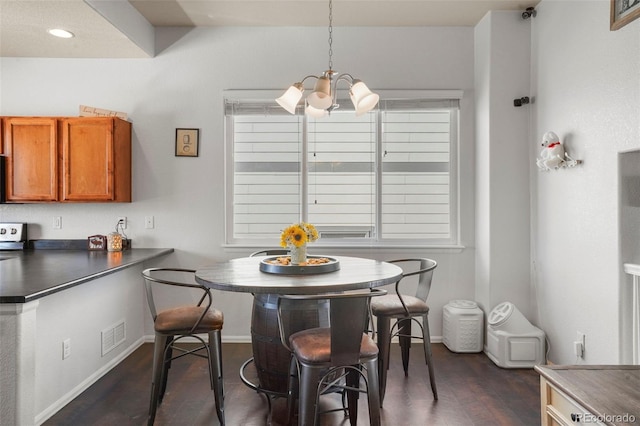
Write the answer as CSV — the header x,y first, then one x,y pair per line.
x,y
385,178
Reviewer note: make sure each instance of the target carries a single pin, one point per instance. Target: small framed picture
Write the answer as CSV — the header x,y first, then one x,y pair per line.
x,y
187,142
623,12
97,242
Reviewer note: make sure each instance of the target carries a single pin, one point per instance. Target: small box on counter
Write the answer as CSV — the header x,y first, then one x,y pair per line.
x,y
97,242
100,242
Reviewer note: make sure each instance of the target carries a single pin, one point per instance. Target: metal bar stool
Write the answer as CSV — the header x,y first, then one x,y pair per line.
x,y
323,357
176,323
404,309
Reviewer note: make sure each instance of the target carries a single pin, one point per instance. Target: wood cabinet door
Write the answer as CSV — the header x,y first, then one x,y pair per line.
x,y
30,144
87,159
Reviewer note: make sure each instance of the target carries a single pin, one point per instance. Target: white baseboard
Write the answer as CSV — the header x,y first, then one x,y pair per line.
x,y
434,339
236,339
85,384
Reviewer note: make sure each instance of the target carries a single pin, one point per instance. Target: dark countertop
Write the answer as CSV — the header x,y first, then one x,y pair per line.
x,y
31,274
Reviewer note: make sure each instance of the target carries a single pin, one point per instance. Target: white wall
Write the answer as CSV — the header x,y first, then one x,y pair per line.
x,y
80,314
482,86
586,83
182,87
502,62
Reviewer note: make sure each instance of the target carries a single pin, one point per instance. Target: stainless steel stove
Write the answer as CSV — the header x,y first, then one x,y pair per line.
x,y
13,236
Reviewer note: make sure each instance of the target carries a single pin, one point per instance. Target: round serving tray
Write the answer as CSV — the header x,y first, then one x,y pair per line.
x,y
322,268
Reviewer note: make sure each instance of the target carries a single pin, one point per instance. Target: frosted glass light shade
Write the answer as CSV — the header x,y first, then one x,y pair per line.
x,y
291,97
315,112
364,100
320,98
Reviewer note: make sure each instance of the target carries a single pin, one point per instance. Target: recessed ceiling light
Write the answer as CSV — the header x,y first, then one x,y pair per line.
x,y
58,32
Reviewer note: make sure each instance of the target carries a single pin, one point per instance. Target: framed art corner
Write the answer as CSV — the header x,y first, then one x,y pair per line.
x,y
623,12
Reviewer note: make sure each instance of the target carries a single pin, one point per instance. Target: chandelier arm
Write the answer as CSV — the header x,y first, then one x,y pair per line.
x,y
309,76
334,90
334,93
346,77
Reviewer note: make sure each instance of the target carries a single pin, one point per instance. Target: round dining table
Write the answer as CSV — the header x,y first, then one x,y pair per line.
x,y
244,275
247,275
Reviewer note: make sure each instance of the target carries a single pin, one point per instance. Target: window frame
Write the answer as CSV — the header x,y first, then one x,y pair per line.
x,y
386,96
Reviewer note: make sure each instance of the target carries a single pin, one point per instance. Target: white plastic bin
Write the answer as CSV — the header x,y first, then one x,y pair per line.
x,y
512,341
462,326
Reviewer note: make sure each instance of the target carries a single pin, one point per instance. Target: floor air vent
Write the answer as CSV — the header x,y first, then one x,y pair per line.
x,y
113,336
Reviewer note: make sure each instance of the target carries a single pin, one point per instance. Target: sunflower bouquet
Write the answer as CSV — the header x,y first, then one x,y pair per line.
x,y
298,234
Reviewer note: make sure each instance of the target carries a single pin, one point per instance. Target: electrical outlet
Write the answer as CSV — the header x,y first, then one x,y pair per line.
x,y
149,222
57,222
582,339
66,348
123,221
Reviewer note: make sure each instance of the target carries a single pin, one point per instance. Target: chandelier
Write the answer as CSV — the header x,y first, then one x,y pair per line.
x,y
322,100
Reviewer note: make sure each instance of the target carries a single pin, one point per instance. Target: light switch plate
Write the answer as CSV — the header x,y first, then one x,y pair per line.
x,y
149,222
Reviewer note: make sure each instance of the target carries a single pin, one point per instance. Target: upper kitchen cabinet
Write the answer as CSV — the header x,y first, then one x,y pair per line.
x,y
31,148
72,159
96,159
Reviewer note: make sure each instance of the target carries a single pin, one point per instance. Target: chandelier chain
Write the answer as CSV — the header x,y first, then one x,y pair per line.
x,y
330,34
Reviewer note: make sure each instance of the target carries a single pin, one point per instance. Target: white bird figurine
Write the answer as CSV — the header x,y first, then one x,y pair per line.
x,y
552,155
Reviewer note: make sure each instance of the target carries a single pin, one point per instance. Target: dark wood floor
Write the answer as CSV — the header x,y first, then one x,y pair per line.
x,y
472,391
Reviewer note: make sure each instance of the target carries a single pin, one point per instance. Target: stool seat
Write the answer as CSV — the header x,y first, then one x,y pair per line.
x,y
180,320
314,346
390,305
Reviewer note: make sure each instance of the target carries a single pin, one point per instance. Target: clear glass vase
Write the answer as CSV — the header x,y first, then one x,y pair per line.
x,y
298,254
114,242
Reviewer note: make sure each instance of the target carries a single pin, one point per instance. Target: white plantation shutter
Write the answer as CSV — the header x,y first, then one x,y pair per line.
x,y
387,177
416,178
266,190
341,170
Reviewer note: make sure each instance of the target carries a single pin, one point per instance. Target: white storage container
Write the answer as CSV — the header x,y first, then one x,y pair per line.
x,y
462,326
512,341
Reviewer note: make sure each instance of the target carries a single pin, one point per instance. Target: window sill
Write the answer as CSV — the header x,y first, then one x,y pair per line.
x,y
319,247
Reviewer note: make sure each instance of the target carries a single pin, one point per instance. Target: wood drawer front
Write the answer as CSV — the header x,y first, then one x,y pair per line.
x,y
560,409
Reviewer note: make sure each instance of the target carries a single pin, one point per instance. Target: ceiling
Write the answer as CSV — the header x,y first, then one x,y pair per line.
x,y
125,29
